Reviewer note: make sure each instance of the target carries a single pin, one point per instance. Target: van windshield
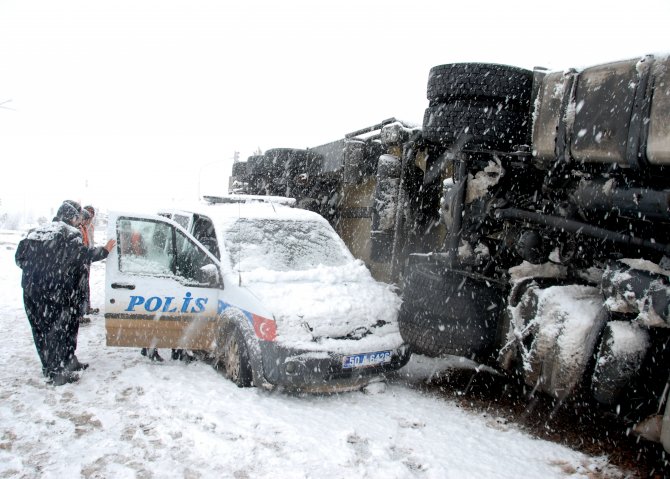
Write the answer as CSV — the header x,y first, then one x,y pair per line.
x,y
283,245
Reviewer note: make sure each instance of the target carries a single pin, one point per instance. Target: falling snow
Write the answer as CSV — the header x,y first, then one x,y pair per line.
x,y
130,417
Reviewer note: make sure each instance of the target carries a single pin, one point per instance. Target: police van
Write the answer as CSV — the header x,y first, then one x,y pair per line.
x,y
267,292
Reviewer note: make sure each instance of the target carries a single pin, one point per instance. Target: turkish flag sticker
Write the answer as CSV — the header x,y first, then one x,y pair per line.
x,y
265,328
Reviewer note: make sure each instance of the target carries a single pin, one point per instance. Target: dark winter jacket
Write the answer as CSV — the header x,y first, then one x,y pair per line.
x,y
53,258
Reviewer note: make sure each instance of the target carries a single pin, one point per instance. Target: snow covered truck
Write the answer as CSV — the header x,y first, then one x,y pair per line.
x,y
527,223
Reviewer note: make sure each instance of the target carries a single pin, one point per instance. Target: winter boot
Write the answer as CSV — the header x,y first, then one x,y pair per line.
x,y
182,355
62,377
75,365
152,354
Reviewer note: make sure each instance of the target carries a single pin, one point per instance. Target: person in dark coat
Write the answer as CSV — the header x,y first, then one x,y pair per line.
x,y
53,258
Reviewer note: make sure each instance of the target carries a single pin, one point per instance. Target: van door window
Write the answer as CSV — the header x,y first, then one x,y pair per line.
x,y
203,231
181,220
193,264
154,248
145,247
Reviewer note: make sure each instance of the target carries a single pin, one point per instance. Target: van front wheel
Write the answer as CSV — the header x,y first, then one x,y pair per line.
x,y
234,359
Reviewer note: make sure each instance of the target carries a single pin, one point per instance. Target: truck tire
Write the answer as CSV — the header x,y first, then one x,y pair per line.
x,y
386,192
275,162
485,125
454,81
565,324
622,350
384,208
240,170
254,165
278,166
277,158
446,312
354,162
293,161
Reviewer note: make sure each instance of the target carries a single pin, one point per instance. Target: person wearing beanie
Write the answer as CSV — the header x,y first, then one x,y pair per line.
x,y
86,228
68,212
52,258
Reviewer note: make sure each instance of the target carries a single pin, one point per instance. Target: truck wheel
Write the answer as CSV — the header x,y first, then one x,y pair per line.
x,y
480,81
484,125
562,335
354,161
384,209
622,350
274,177
240,170
254,165
447,312
255,173
291,161
275,159
233,358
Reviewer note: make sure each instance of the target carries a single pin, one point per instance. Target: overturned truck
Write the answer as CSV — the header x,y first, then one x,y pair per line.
x,y
527,224
555,259
338,180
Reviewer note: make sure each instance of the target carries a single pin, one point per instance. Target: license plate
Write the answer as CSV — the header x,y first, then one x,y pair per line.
x,y
365,360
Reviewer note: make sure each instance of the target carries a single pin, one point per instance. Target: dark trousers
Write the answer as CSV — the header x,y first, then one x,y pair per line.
x,y
54,328
85,290
72,329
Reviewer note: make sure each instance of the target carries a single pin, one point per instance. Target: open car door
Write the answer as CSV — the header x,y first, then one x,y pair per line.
x,y
162,288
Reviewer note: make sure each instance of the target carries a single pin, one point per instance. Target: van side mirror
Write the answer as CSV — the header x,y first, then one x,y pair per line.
x,y
210,273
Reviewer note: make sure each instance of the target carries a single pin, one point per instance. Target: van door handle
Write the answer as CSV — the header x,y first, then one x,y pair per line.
x,y
123,286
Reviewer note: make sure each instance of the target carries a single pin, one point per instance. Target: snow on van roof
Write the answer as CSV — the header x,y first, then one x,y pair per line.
x,y
249,206
249,199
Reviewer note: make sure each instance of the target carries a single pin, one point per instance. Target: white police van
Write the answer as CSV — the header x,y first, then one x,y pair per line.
x,y
269,293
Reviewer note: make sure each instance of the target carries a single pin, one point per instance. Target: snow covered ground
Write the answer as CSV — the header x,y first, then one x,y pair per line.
x,y
131,418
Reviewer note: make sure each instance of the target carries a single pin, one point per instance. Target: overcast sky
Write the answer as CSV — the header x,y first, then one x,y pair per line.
x,y
119,102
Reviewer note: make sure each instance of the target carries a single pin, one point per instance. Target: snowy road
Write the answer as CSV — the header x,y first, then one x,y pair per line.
x,y
128,417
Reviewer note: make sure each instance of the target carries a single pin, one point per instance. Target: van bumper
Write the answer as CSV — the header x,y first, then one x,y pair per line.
x,y
322,371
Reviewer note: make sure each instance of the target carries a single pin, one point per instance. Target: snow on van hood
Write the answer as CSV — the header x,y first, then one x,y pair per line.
x,y
333,308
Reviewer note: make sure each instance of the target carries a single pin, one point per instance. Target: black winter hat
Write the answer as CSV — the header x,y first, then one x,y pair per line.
x,y
68,211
